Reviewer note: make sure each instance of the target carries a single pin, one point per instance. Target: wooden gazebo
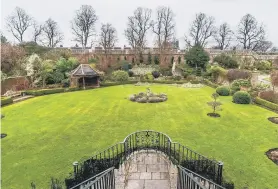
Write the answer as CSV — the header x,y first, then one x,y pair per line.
x,y
84,76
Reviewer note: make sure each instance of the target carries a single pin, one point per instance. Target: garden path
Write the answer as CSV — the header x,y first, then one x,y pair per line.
x,y
147,170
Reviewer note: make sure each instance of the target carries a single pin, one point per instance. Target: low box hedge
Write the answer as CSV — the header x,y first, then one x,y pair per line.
x,y
6,101
266,103
108,84
44,91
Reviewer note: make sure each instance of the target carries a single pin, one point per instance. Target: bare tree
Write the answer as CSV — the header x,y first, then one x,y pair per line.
x,y
38,29
52,33
83,24
201,30
137,28
263,46
223,36
18,22
164,27
250,33
108,37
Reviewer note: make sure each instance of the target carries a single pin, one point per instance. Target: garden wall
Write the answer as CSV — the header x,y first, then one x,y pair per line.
x,y
15,84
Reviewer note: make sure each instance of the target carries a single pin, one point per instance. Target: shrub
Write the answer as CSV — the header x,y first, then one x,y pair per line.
x,y
177,78
197,57
242,97
93,60
226,61
156,60
217,71
198,72
209,83
120,76
148,77
263,65
6,101
129,66
155,74
130,73
237,84
223,91
65,83
235,74
266,103
274,78
185,74
270,96
166,71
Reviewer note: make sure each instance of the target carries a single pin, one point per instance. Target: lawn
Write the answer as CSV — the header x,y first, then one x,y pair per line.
x,y
46,134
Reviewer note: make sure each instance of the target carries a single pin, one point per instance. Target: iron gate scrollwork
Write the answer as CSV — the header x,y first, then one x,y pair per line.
x,y
148,140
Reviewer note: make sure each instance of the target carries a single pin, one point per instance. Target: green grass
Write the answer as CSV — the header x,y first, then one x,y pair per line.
x,y
46,134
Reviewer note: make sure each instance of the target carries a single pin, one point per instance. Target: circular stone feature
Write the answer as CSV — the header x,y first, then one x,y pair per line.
x,y
272,154
213,114
273,119
3,135
148,97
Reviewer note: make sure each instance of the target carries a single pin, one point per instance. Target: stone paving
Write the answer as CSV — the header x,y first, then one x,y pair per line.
x,y
147,170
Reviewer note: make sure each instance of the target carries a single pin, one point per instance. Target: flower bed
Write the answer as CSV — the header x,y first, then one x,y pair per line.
x,y
148,97
189,85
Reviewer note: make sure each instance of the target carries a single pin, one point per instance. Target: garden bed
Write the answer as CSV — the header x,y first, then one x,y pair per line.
x,y
272,154
273,119
148,97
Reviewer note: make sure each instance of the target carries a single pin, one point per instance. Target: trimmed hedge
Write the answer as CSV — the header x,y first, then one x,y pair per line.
x,y
266,103
242,97
44,91
6,101
108,84
210,84
223,91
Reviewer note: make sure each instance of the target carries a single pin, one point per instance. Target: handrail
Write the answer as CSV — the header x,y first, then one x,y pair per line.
x,y
147,139
94,179
204,180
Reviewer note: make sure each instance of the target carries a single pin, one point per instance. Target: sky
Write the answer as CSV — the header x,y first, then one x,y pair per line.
x,y
116,13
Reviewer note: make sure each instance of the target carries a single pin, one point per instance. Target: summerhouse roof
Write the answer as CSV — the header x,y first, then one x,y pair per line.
x,y
84,70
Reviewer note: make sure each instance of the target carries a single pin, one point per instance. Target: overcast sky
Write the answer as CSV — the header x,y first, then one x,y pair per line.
x,y
116,13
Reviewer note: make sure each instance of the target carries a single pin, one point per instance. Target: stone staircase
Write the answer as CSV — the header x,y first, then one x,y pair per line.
x,y
146,169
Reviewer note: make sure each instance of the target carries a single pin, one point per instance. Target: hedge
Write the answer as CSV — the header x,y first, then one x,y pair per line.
x,y
266,103
44,91
108,84
6,101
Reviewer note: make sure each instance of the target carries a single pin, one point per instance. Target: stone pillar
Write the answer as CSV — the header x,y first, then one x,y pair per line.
x,y
255,78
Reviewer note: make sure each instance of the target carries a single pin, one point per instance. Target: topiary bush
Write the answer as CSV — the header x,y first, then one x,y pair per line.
x,y
155,74
130,73
120,76
223,91
242,97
